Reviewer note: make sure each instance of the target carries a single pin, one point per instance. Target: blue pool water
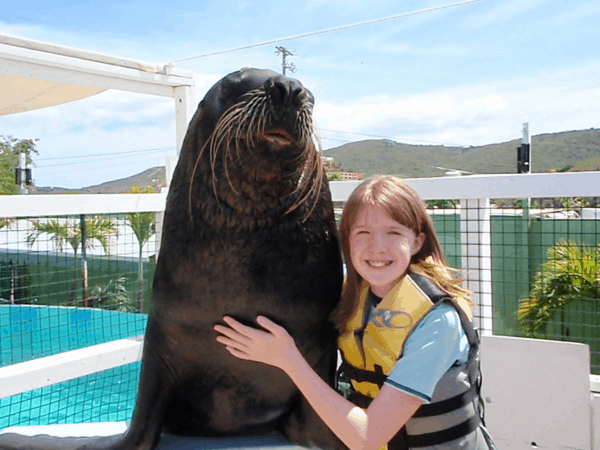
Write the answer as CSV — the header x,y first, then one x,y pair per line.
x,y
29,332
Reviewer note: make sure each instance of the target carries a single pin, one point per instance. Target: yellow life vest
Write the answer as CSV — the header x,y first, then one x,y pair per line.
x,y
382,340
371,351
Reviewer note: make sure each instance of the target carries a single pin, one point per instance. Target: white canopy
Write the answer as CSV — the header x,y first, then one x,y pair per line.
x,y
36,74
20,94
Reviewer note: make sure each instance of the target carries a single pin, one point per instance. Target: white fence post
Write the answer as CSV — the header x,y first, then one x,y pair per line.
x,y
476,250
184,111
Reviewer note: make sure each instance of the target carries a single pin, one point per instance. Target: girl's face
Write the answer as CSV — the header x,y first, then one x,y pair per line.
x,y
381,248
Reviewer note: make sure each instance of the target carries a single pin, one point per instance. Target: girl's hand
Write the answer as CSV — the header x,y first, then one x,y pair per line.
x,y
274,347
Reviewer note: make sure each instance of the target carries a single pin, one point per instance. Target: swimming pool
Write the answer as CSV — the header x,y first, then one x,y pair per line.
x,y
28,332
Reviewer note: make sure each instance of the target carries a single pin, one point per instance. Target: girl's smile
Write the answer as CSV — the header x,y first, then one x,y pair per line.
x,y
381,248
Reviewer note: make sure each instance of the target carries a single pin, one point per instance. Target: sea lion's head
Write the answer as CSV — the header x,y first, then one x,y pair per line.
x,y
256,140
261,104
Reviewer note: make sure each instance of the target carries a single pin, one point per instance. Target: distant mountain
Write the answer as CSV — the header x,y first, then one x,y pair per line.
x,y
566,151
571,150
154,177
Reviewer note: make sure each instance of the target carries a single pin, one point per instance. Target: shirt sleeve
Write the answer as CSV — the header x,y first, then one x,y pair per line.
x,y
438,342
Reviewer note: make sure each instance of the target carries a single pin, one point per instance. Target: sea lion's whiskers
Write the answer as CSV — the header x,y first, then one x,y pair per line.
x,y
230,120
192,178
221,133
255,99
261,116
308,185
317,178
254,115
237,140
264,116
228,155
239,136
235,125
310,177
308,128
248,121
313,191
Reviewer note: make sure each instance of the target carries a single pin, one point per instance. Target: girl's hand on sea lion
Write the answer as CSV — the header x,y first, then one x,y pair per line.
x,y
274,347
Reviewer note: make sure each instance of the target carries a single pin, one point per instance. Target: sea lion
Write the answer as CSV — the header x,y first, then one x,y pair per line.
x,y
249,229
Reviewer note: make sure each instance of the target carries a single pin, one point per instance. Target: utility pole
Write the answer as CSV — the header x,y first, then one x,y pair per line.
x,y
284,52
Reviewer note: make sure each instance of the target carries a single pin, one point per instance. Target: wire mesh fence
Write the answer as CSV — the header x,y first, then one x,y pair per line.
x,y
55,297
536,269
43,261
105,396
533,266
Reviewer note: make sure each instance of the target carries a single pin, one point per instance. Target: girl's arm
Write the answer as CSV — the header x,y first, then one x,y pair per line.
x,y
358,429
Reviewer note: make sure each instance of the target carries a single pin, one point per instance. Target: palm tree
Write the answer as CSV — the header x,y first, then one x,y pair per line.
x,y
570,274
143,226
98,229
113,296
7,221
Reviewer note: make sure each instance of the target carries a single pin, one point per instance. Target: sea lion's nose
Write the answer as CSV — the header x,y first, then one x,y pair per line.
x,y
285,91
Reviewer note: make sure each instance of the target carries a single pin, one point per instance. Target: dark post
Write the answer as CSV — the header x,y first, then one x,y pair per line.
x,y
84,274
524,152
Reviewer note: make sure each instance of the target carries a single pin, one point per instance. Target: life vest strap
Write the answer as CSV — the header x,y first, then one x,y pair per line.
x,y
427,410
442,436
448,405
360,400
428,439
360,375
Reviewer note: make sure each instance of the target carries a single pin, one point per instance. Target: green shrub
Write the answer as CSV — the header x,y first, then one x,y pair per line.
x,y
113,296
570,274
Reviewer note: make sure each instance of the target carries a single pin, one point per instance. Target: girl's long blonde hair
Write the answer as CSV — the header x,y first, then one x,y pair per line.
x,y
402,204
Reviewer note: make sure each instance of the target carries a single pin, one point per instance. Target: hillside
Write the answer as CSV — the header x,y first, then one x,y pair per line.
x,y
154,177
570,150
555,151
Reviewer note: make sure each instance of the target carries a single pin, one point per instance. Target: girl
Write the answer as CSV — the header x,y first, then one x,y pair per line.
x,y
410,353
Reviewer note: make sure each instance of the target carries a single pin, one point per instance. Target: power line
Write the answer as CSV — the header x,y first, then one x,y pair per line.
x,y
389,138
329,30
123,156
149,150
338,140
53,173
591,144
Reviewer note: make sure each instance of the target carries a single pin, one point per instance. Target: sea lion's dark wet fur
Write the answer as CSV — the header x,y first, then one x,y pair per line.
x,y
249,229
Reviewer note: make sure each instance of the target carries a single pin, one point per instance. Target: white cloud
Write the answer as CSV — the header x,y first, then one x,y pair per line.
x,y
480,113
471,115
131,149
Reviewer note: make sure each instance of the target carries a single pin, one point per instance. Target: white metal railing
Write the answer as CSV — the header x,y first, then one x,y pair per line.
x,y
474,193
65,366
577,184
583,184
65,205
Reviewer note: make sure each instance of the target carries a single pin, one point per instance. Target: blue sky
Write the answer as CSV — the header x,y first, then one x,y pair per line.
x,y
467,75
